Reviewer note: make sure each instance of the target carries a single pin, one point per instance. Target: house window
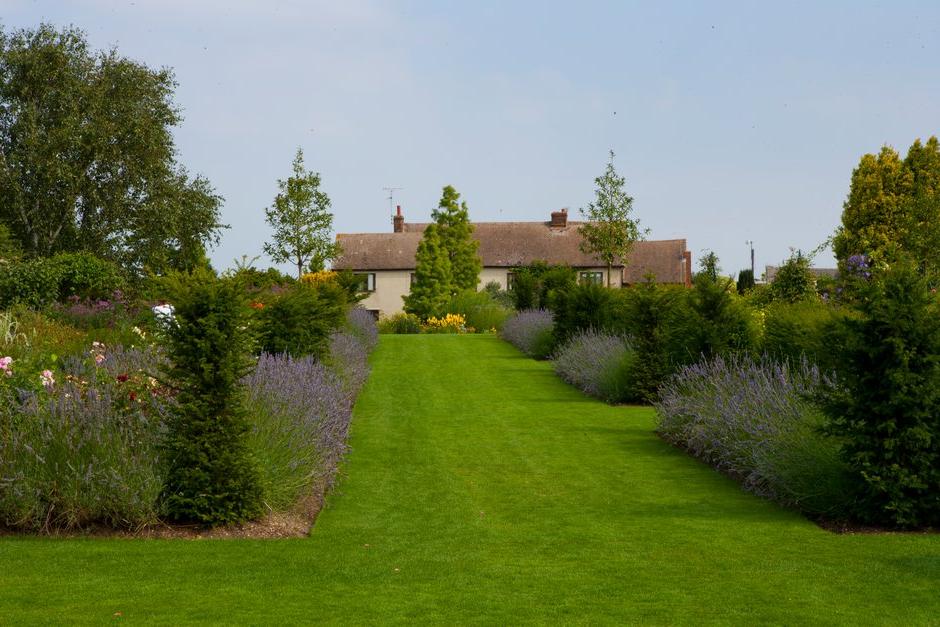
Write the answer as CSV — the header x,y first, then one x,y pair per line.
x,y
510,280
596,278
366,281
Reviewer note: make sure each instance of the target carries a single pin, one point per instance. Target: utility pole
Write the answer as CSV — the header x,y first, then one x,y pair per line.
x,y
751,244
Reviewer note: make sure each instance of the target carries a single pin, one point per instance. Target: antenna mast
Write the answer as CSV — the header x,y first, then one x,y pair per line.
x,y
391,198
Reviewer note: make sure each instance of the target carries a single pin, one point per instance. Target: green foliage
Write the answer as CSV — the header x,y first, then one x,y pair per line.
x,y
43,281
87,160
713,322
498,294
794,281
299,321
455,230
400,323
793,331
211,477
301,221
610,231
9,247
887,405
650,315
433,282
893,209
534,285
585,306
709,267
745,281
479,309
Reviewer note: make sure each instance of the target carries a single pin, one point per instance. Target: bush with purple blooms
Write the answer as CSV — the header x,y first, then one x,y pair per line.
x,y
597,363
530,331
83,447
752,419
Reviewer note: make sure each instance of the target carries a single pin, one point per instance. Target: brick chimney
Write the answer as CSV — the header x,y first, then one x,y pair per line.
x,y
398,222
559,219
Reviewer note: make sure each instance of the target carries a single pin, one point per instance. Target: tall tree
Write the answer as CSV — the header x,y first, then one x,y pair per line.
x,y
453,221
87,160
301,220
433,282
893,208
610,231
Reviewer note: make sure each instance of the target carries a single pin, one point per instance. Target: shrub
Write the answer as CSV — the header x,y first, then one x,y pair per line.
x,y
211,477
479,309
534,285
498,294
451,323
888,404
300,321
531,332
361,324
85,449
583,307
598,364
795,330
649,319
794,281
42,281
300,416
714,321
752,420
400,323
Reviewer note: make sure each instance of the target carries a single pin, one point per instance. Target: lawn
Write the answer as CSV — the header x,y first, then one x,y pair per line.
x,y
480,488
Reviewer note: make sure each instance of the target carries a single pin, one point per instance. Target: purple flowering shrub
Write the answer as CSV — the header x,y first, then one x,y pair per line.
x,y
82,449
753,420
597,363
363,325
300,409
530,330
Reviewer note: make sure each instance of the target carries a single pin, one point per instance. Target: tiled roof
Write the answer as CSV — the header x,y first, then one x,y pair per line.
x,y
511,244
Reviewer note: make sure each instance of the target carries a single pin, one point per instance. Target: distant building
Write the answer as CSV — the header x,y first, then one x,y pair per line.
x,y
770,273
386,261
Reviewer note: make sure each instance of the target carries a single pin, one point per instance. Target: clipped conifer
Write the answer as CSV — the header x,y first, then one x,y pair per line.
x,y
211,477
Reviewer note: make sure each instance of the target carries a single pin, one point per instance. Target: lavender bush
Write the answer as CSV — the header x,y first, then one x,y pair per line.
x,y
597,363
530,331
753,420
84,450
300,412
362,324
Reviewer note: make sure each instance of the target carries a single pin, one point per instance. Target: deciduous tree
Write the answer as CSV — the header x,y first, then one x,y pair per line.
x,y
301,220
611,231
87,160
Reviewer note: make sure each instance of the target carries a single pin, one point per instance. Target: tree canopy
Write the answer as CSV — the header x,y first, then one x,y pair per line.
x,y
301,221
433,281
453,221
893,208
87,159
610,231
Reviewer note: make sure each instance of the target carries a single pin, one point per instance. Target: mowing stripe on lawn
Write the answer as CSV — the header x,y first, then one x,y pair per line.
x,y
480,488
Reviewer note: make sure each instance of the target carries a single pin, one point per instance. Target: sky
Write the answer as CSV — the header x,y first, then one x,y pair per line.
x,y
731,121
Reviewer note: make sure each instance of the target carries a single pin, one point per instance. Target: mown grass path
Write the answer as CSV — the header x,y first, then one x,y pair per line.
x,y
480,489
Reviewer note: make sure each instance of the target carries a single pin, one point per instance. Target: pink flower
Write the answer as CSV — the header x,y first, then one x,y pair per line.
x,y
5,366
47,379
99,358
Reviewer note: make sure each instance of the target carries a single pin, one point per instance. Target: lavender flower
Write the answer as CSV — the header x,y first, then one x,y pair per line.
x,y
530,331
590,361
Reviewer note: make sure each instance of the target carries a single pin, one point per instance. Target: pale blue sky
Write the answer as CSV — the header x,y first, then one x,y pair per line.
x,y
731,121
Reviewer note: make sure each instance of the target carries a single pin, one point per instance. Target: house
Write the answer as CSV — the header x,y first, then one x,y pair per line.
x,y
770,273
386,261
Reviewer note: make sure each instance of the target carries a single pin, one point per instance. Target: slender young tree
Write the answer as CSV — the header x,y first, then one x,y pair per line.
x,y
433,282
453,221
610,231
301,220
